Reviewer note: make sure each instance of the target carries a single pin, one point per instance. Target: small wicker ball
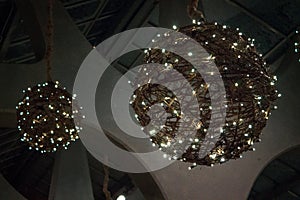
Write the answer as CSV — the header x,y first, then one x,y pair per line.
x,y
45,118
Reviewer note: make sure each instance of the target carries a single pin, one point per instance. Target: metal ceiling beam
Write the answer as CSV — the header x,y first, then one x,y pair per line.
x,y
289,56
288,165
137,16
32,27
23,59
6,32
19,41
143,10
285,37
77,4
93,20
278,45
97,15
255,17
294,194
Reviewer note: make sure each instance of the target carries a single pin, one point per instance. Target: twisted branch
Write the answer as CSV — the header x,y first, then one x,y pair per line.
x,y
105,183
193,12
49,36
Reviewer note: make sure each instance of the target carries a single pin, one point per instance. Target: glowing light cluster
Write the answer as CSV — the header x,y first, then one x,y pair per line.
x,y
297,44
45,117
250,95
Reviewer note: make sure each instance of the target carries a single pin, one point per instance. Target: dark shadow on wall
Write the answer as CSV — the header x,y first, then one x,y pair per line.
x,y
280,179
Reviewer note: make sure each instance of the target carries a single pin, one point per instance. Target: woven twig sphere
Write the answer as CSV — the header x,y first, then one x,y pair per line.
x,y
45,118
250,94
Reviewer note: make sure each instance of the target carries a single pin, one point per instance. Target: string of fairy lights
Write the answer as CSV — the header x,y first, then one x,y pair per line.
x,y
297,44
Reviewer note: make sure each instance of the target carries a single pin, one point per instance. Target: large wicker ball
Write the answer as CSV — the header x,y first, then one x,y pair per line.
x,y
250,94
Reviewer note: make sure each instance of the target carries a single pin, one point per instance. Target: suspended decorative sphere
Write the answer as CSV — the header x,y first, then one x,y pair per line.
x,y
45,118
250,95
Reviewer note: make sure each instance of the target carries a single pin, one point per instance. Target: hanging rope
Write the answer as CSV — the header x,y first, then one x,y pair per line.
x,y
105,183
49,36
193,12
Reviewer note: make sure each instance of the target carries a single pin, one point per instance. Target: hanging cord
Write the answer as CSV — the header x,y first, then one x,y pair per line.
x,y
49,36
105,183
193,12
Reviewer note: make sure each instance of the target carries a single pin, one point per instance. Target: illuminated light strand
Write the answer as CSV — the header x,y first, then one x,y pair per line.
x,y
297,44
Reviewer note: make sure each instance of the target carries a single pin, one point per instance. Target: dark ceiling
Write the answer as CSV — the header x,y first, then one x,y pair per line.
x,y
96,19
280,180
271,22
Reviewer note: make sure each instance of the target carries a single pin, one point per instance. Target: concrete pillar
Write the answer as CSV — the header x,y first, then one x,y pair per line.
x,y
71,176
